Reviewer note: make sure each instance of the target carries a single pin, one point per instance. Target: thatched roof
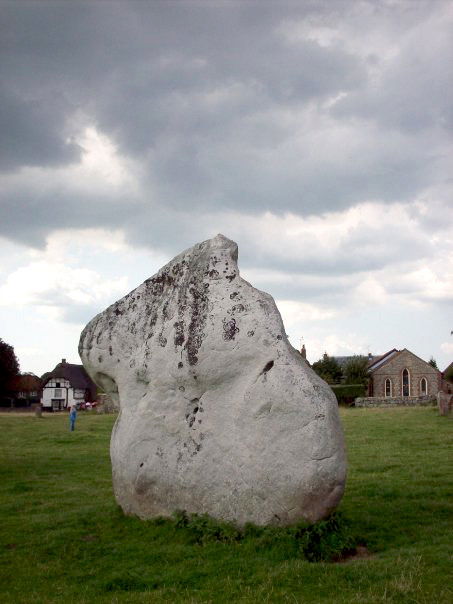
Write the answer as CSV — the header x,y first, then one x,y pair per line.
x,y
75,374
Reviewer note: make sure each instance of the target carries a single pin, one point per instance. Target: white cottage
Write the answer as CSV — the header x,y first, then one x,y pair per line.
x,y
67,385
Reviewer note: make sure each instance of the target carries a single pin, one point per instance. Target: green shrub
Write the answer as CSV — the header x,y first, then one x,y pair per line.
x,y
346,393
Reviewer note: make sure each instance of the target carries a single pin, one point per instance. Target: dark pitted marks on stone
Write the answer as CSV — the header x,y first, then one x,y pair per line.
x,y
159,283
110,351
213,274
180,365
142,464
279,337
162,341
234,295
250,333
178,269
165,310
267,367
230,329
179,333
192,409
192,447
118,311
153,319
100,358
98,337
182,389
230,277
237,308
199,310
264,307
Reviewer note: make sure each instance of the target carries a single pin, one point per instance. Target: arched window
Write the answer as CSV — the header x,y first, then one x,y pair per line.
x,y
406,383
388,387
423,386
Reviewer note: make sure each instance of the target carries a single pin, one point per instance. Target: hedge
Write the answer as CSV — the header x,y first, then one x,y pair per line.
x,y
346,393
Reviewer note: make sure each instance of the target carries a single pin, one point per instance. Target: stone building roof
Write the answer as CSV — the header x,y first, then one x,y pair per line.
x,y
378,361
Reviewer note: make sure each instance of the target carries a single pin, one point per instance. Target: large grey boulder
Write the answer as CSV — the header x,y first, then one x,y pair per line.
x,y
219,414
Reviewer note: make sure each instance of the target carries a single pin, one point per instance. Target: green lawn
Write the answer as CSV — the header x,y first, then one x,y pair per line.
x,y
63,539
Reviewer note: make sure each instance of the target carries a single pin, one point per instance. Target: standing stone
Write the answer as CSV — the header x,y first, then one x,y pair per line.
x,y
219,414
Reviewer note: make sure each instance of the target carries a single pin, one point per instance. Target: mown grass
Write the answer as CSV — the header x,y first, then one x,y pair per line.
x,y
63,539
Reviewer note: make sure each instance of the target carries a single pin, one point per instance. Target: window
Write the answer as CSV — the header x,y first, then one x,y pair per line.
x,y
57,393
57,384
406,383
388,387
423,386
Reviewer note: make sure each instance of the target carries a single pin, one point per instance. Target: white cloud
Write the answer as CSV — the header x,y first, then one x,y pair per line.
x,y
447,348
45,283
294,312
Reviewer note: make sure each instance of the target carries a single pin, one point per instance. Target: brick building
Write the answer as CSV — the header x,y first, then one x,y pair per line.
x,y
24,389
400,373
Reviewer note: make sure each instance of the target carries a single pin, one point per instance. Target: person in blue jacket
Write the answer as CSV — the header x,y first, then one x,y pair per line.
x,y
72,418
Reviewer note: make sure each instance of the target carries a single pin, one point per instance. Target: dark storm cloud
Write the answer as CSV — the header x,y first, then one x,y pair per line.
x,y
28,216
219,107
26,136
141,71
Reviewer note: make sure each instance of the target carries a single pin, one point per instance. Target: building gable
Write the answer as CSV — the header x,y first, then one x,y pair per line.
x,y
403,373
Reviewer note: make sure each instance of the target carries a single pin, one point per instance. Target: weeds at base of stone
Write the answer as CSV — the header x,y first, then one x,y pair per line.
x,y
324,541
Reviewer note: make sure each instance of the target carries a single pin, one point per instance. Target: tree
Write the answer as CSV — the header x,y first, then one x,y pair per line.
x,y
356,371
9,365
432,362
328,369
449,374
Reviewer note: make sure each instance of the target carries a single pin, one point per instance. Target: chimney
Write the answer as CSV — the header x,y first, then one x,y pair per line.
x,y
63,361
370,356
303,352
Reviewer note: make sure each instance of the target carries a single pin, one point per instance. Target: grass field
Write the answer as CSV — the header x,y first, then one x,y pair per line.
x,y
63,539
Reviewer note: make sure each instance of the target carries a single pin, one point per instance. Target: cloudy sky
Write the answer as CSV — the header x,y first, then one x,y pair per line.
x,y
316,134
